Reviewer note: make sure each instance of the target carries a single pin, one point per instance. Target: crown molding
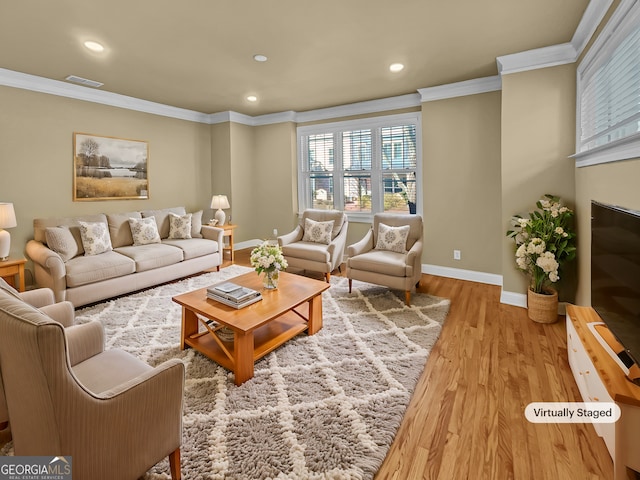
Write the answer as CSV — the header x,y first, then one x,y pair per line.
x,y
593,15
461,89
539,58
34,83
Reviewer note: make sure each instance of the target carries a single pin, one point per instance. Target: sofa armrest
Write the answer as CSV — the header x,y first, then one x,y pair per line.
x,y
213,233
61,312
50,269
338,244
291,237
363,246
84,341
39,297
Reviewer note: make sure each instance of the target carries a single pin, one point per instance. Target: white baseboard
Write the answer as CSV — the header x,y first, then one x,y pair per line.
x,y
520,300
247,244
460,274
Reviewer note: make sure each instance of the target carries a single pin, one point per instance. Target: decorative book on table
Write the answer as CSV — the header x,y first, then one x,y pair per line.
x,y
233,295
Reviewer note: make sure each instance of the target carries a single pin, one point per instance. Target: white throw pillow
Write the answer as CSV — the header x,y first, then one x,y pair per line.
x,y
144,230
196,224
95,237
61,241
393,239
317,232
179,226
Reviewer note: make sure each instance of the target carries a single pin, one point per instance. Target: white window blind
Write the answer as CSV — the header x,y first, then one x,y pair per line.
x,y
609,88
360,166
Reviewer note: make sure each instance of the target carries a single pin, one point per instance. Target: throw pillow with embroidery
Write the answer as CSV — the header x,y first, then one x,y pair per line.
x,y
95,238
179,226
317,232
144,230
393,239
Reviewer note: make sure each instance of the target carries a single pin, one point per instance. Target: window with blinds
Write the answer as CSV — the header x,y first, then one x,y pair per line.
x,y
360,166
609,88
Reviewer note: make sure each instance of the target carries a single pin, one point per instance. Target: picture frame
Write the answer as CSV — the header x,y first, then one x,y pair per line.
x,y
109,168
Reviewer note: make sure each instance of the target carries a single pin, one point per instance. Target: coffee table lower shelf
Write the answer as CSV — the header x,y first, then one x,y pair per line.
x,y
257,344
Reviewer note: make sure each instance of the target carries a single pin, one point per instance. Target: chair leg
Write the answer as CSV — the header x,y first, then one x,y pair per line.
x,y
327,277
350,282
339,269
174,464
407,297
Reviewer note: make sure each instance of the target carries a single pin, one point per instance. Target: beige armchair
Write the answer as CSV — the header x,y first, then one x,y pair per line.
x,y
42,298
373,260
113,414
319,248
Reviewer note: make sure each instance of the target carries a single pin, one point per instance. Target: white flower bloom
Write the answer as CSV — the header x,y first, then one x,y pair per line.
x,y
553,276
559,230
521,251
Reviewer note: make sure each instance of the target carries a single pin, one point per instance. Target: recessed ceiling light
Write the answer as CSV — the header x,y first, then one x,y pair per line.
x,y
396,67
252,98
260,58
94,46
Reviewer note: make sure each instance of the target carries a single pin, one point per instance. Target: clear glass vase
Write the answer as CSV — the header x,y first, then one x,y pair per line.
x,y
270,279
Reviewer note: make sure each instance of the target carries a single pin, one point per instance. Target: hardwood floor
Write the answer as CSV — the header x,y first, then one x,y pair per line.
x,y
466,419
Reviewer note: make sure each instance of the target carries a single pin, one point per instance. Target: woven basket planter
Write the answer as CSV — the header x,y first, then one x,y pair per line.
x,y
543,307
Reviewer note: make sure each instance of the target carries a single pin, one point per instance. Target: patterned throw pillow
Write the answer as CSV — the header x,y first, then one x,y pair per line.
x,y
393,239
144,230
95,237
317,232
179,226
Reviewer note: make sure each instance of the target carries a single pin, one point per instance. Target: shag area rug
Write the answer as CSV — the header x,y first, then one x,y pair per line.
x,y
325,406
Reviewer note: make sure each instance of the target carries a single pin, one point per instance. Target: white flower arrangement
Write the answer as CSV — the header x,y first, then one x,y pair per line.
x,y
543,242
267,258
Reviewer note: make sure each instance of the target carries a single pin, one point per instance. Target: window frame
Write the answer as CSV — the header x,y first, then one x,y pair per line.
x,y
377,172
614,33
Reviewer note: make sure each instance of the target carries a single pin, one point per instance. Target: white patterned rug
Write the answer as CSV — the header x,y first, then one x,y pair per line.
x,y
325,406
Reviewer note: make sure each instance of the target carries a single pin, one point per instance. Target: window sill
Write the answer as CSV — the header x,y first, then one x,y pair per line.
x,y
625,149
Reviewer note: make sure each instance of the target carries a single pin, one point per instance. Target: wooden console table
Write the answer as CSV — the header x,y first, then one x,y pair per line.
x,y
601,379
12,267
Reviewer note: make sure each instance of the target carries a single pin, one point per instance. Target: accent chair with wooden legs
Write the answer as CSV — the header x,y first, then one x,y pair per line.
x,y
317,243
114,415
390,253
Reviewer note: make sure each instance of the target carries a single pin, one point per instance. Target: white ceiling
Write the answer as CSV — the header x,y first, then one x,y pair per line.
x,y
197,54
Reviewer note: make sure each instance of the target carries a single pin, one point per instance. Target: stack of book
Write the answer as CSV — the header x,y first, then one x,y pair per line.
x,y
233,295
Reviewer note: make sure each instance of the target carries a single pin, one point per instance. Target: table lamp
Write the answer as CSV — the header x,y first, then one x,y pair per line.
x,y
7,220
220,202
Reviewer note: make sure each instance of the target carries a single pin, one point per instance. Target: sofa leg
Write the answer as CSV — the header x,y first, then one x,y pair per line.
x,y
218,268
407,297
350,282
327,277
174,464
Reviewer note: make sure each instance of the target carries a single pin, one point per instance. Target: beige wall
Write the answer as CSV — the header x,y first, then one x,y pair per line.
x,y
538,135
461,178
36,155
612,183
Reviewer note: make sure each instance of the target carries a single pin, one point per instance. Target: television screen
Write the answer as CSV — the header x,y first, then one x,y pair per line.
x,y
615,273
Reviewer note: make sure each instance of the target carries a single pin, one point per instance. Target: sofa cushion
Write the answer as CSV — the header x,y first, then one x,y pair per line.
x,y
179,226
144,231
193,247
40,225
316,252
119,228
153,255
380,261
89,269
196,224
393,239
95,238
317,232
162,218
62,241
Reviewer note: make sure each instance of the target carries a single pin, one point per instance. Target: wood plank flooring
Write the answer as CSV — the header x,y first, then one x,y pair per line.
x,y
466,419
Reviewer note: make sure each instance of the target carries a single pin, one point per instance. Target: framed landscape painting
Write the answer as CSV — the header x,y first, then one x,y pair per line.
x,y
108,168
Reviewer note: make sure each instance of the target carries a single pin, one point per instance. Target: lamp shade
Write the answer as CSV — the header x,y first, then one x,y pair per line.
x,y
7,216
220,201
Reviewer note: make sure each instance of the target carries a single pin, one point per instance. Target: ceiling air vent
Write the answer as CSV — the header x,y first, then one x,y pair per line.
x,y
83,81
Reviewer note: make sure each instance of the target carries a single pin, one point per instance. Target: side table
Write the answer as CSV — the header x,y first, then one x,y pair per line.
x,y
12,267
228,232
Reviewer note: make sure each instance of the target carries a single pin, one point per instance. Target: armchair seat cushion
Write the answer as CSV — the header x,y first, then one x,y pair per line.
x,y
380,261
108,369
94,268
316,252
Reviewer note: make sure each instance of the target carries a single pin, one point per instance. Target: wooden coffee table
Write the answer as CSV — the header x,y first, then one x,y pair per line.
x,y
294,307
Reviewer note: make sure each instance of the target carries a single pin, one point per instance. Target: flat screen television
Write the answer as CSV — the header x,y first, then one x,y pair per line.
x,y
615,274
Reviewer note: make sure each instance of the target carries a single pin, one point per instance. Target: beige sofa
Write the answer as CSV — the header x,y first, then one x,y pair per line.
x,y
73,275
